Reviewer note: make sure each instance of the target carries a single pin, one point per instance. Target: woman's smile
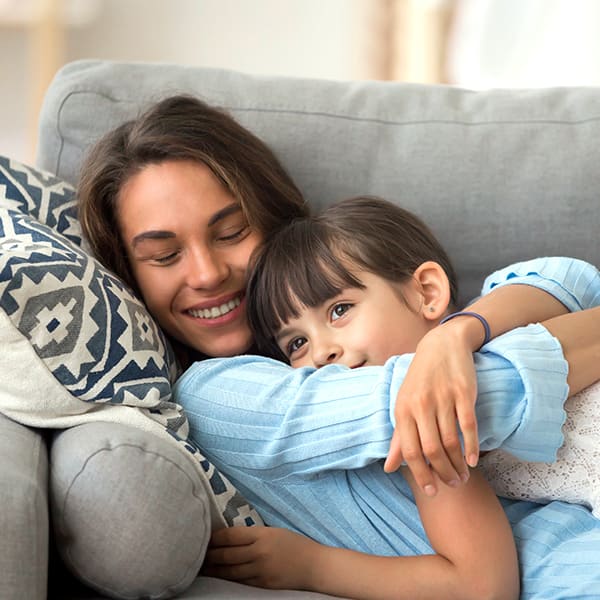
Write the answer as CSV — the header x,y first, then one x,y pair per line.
x,y
220,312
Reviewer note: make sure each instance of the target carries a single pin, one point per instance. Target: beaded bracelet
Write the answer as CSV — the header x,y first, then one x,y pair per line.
x,y
468,313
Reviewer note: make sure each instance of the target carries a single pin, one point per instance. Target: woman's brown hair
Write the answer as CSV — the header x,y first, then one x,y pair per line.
x,y
313,259
181,128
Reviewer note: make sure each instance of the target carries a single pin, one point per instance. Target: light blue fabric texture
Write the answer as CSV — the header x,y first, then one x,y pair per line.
x,y
305,446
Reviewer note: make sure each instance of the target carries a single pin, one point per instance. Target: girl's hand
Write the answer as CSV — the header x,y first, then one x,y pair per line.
x,y
436,398
266,557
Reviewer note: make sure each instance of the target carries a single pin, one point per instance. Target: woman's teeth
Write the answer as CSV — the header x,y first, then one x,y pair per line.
x,y
215,311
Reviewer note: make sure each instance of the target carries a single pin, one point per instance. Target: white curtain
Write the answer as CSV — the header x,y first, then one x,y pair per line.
x,y
524,43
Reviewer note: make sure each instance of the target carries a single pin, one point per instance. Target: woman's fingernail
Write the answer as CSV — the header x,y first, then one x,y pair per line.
x,y
453,483
465,477
472,460
429,490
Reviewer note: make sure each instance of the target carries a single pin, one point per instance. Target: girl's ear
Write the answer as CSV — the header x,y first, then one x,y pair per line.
x,y
435,289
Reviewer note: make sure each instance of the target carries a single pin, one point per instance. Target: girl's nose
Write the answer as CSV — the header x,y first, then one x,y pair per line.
x,y
206,270
326,353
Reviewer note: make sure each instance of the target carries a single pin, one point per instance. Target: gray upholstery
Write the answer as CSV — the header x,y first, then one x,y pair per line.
x,y
23,512
106,475
500,176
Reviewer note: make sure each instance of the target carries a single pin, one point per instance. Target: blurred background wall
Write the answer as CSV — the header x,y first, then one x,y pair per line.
x,y
471,43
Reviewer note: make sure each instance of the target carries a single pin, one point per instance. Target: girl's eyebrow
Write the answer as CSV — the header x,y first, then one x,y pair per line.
x,y
282,333
165,235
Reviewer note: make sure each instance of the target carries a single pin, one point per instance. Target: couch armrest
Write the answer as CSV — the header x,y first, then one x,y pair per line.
x,y
24,512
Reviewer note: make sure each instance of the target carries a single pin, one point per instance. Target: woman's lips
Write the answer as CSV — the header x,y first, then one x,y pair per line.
x,y
217,310
221,312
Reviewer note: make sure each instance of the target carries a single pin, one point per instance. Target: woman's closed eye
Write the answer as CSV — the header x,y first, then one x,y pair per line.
x,y
166,259
233,234
339,310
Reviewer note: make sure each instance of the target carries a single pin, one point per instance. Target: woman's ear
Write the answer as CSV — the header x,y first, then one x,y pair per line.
x,y
435,289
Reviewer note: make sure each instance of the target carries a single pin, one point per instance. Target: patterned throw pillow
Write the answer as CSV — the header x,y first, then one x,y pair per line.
x,y
79,325
42,195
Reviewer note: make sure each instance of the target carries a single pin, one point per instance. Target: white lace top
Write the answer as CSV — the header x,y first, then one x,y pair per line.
x,y
574,477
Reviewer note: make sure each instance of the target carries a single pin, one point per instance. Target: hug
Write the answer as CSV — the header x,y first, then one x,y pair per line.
x,y
178,200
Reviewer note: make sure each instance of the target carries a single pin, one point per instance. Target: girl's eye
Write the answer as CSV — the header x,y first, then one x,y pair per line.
x,y
295,345
339,310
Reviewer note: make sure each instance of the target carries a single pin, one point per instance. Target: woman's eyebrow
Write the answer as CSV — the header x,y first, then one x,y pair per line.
x,y
165,235
151,235
224,212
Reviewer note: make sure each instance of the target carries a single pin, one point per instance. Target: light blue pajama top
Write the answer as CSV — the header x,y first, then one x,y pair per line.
x,y
305,446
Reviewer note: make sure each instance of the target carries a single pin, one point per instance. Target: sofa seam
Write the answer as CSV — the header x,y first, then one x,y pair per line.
x,y
331,115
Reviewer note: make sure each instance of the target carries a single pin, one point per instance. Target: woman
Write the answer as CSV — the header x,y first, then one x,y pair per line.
x,y
177,201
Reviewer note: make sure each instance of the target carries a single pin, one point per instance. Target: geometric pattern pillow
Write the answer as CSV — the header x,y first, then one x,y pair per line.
x,y
88,329
42,195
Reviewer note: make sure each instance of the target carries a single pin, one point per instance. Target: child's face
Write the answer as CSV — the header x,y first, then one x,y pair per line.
x,y
357,328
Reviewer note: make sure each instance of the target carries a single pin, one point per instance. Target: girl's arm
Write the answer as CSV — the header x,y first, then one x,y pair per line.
x,y
475,555
440,390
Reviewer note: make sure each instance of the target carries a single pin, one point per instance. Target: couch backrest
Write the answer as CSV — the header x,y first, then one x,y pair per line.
x,y
499,175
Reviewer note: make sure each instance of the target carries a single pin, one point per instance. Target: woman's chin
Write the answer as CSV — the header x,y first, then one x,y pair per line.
x,y
225,346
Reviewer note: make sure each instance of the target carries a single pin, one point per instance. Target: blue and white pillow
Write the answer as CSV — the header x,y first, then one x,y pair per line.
x,y
44,196
79,331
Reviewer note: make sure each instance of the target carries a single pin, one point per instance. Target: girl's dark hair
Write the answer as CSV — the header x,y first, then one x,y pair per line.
x,y
313,259
181,128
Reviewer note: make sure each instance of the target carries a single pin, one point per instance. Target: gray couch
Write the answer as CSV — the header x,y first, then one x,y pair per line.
x,y
500,176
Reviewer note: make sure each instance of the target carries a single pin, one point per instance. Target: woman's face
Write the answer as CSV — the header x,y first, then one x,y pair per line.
x,y
188,243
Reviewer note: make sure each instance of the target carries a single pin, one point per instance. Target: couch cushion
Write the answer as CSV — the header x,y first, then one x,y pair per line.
x,y
517,168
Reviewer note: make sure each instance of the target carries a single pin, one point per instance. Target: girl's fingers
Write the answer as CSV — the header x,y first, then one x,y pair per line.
x,y
231,572
228,555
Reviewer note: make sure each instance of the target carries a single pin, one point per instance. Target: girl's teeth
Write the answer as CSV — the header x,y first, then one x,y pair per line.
x,y
215,311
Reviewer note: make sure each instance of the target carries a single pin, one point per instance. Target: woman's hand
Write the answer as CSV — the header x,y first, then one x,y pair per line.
x,y
436,398
266,557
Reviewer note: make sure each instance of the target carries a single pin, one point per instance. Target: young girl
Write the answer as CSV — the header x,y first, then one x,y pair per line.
x,y
362,282
367,280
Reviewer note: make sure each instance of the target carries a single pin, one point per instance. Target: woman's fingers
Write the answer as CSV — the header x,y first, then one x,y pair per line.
x,y
437,454
450,441
467,421
415,458
394,458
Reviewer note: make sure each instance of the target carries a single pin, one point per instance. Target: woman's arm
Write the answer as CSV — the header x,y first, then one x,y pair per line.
x,y
439,390
256,418
579,336
475,555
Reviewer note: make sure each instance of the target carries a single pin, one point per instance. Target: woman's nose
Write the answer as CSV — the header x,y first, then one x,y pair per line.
x,y
326,353
206,269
